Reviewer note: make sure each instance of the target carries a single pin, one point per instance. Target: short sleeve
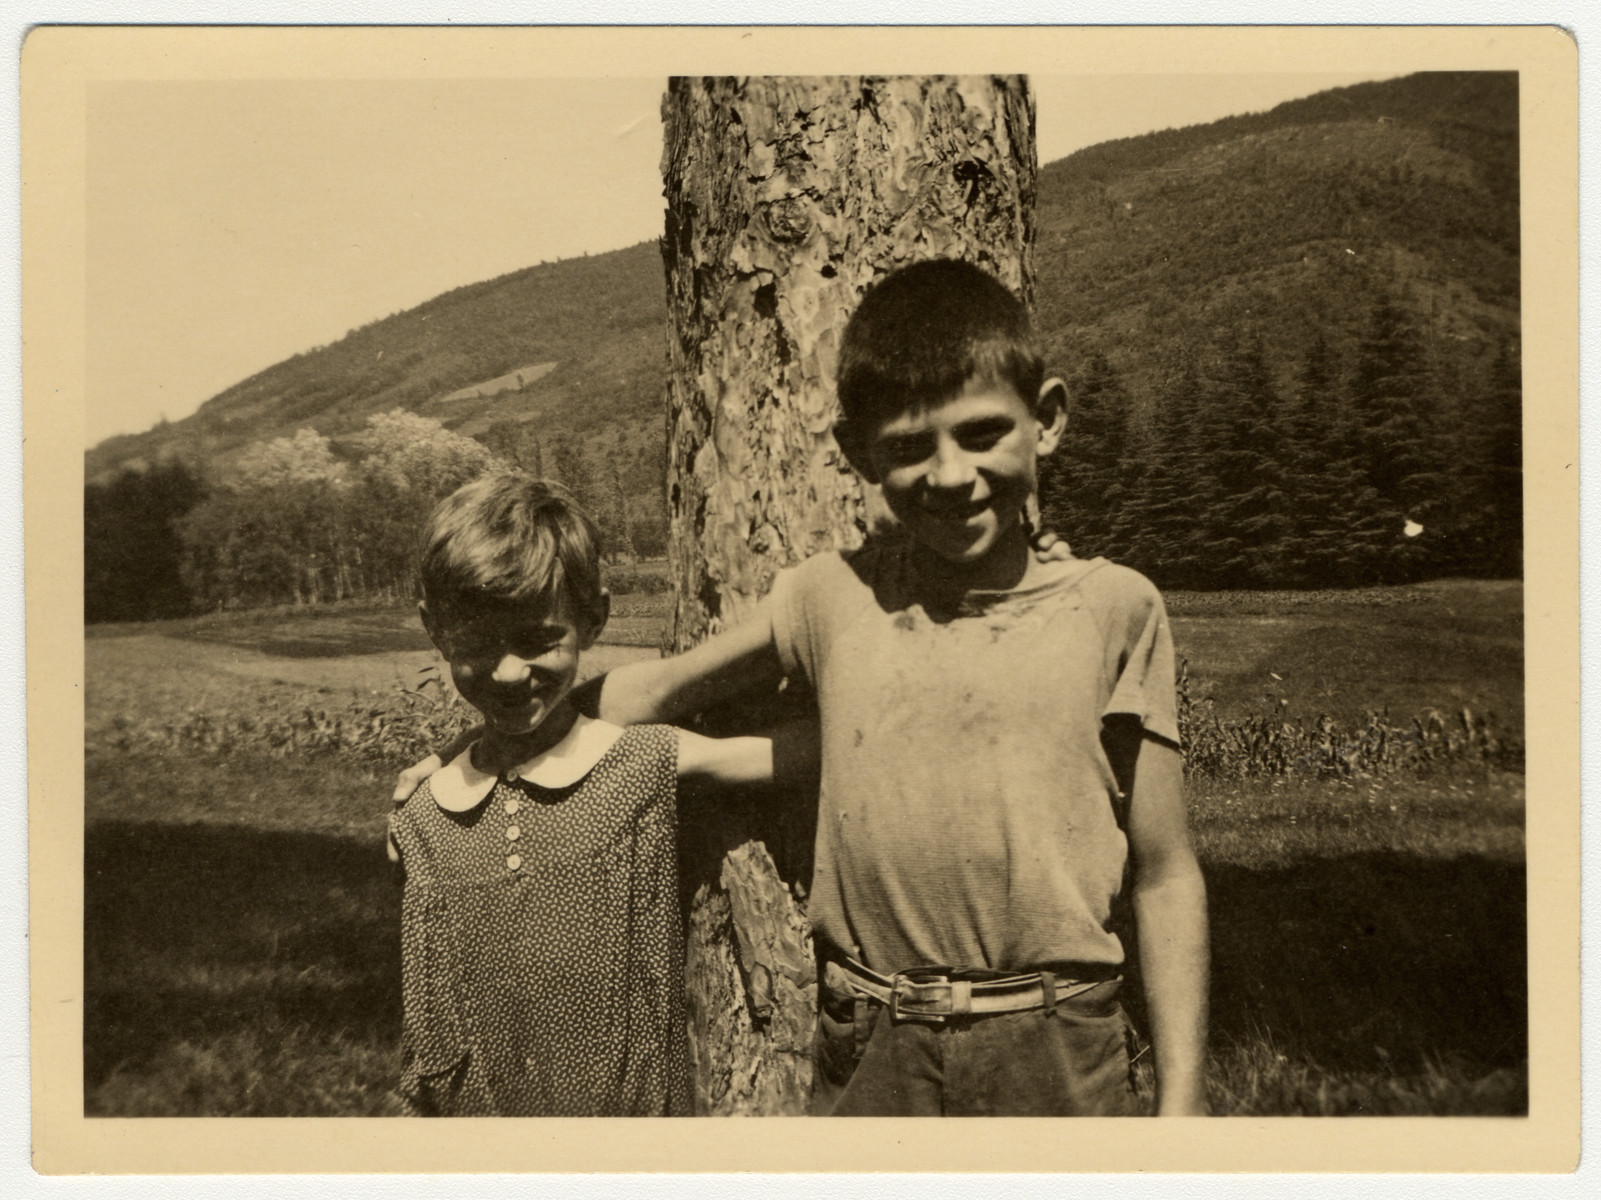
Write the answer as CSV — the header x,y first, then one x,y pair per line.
x,y
792,603
659,748
1140,654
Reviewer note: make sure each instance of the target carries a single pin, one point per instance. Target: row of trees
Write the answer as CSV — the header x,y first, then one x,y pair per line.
x,y
1380,470
305,520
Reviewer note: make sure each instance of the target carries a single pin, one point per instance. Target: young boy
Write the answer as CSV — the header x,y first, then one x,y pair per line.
x,y
999,742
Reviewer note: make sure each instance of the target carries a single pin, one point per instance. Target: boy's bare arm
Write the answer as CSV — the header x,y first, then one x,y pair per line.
x,y
1169,896
732,663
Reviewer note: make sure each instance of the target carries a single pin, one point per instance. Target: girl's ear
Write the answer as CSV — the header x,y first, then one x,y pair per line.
x,y
595,621
430,625
1051,413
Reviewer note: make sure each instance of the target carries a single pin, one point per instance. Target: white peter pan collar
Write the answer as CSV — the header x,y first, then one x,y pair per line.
x,y
458,786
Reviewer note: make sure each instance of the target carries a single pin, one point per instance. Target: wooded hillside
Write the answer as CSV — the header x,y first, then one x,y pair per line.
x,y
1294,339
1296,256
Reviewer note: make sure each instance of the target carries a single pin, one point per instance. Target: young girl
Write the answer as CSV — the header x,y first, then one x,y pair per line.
x,y
541,945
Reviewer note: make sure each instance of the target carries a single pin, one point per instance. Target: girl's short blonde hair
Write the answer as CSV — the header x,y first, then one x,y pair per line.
x,y
508,538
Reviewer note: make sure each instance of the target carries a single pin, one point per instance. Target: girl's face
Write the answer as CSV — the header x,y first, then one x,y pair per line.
x,y
515,665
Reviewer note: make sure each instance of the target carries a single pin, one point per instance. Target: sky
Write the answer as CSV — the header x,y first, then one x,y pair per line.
x,y
233,224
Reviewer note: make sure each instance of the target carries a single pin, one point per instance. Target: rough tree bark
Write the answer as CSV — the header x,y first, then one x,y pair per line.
x,y
786,198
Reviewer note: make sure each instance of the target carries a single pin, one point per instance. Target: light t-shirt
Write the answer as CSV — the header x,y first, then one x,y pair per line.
x,y
968,809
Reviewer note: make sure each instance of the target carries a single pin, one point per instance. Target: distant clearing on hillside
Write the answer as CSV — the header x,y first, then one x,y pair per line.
x,y
513,382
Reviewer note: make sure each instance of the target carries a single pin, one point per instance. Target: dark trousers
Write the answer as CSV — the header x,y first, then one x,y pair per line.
x,y
1073,1062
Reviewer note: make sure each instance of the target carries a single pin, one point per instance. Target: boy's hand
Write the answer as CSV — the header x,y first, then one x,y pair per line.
x,y
1048,547
409,780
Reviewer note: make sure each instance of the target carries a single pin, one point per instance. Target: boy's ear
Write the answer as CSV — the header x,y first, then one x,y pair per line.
x,y
854,447
1051,412
595,621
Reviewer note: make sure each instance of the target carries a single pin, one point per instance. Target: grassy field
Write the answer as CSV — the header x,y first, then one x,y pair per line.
x,y
241,925
1448,645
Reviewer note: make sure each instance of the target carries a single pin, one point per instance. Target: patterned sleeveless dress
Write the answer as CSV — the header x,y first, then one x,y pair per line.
x,y
542,949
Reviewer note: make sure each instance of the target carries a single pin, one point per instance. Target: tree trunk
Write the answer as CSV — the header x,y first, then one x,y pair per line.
x,y
787,197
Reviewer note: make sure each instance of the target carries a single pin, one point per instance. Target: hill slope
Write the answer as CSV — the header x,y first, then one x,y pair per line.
x,y
1152,250
598,319
1288,225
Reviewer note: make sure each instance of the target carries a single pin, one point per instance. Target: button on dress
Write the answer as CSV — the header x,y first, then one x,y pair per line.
x,y
542,950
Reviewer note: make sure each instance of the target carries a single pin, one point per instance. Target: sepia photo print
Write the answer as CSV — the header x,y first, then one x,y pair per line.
x,y
1300,381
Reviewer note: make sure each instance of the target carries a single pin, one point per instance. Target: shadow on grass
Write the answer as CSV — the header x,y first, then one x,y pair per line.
x,y
330,639
230,970
198,938
1372,962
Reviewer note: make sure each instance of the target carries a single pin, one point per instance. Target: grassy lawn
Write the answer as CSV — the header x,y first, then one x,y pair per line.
x,y
364,628
1448,645
241,925
240,940
1368,944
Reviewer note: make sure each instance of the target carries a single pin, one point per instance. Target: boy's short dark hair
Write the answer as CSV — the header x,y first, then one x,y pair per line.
x,y
921,333
508,538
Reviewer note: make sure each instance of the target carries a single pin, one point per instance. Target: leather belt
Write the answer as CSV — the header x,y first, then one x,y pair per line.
x,y
938,993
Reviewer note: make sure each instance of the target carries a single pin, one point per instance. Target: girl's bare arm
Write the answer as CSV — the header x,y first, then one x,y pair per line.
x,y
787,757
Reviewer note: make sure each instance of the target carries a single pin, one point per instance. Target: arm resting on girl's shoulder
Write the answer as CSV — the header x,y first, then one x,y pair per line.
x,y
409,780
1169,898
736,661
727,665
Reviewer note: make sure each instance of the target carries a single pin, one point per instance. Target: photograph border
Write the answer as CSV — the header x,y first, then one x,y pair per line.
x,y
59,63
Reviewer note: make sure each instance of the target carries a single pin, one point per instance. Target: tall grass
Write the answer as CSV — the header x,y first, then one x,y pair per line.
x,y
413,721
416,718
1256,1078
1261,745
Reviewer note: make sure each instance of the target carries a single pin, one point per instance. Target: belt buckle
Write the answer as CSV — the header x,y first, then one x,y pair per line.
x,y
911,979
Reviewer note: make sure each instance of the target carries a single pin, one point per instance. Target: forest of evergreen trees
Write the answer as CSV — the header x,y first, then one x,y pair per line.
x,y
1383,469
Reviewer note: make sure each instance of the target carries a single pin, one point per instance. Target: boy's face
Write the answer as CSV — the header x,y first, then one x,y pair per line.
x,y
958,474
514,664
